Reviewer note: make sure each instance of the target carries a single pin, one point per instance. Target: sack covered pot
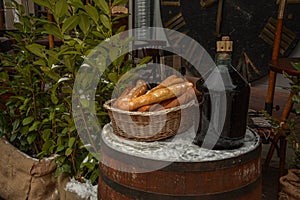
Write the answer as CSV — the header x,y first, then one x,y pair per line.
x,y
23,177
290,185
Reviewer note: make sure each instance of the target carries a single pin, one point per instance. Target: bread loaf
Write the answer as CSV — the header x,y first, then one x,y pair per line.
x,y
182,99
139,89
171,80
162,105
156,96
123,95
145,108
155,106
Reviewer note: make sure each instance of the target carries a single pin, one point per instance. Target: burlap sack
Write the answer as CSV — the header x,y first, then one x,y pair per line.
x,y
22,177
290,185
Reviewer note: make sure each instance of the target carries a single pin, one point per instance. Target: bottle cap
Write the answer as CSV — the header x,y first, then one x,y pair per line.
x,y
225,45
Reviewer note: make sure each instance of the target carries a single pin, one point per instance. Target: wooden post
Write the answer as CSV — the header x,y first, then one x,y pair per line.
x,y
219,18
288,106
1,18
275,54
277,39
50,37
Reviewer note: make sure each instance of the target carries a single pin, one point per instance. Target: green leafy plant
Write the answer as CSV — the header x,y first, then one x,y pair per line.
x,y
293,127
37,118
289,127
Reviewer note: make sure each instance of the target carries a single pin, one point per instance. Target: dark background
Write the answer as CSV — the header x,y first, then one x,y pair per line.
x,y
242,20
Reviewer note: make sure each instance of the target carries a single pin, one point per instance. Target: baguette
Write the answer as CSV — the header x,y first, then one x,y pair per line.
x,y
156,96
123,95
171,80
145,108
183,99
139,89
163,104
155,107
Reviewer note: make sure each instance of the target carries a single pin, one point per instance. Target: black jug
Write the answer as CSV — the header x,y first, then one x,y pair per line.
x,y
225,110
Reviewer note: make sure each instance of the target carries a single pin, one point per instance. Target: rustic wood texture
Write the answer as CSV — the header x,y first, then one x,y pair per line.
x,y
238,178
284,64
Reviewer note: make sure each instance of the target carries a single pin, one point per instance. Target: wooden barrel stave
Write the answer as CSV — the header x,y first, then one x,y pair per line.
x,y
109,190
236,178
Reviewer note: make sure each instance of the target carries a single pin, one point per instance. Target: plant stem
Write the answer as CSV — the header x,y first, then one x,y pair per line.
x,y
73,153
33,98
86,127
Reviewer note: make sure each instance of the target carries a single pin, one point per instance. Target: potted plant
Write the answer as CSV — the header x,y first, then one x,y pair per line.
x,y
290,183
37,117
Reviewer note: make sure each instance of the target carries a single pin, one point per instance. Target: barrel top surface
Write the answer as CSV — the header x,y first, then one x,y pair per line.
x,y
179,148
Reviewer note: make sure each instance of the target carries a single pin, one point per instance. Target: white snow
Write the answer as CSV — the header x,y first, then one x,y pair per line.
x,y
85,190
177,149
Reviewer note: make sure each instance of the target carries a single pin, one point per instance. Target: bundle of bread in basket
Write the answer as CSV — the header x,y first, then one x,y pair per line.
x,y
148,114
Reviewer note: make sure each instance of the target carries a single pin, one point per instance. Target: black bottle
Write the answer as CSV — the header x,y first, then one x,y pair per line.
x,y
236,91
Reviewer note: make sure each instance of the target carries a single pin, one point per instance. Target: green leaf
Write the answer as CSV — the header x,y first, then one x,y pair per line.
x,y
296,65
34,126
84,23
68,151
25,104
66,168
65,130
46,134
48,146
76,4
67,90
113,54
102,4
24,130
16,125
37,49
95,175
119,2
117,18
12,137
297,87
105,21
69,62
85,103
99,35
60,148
113,77
92,12
27,120
71,142
31,137
60,10
70,53
51,74
144,60
44,3
70,23
121,29
51,29
296,99
39,62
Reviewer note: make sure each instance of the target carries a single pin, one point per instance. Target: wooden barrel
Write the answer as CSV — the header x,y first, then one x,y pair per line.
x,y
236,178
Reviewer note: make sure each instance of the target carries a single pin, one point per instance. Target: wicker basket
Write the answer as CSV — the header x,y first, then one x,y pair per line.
x,y
151,126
